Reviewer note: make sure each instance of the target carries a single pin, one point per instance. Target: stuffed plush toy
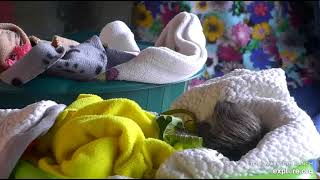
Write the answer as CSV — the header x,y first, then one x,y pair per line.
x,y
87,60
14,44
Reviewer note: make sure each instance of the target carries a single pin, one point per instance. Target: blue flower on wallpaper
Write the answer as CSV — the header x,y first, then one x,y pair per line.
x,y
153,6
231,20
218,70
273,22
260,59
285,8
260,11
246,60
293,75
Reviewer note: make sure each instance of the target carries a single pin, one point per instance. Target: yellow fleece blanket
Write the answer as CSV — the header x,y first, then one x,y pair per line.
x,y
96,138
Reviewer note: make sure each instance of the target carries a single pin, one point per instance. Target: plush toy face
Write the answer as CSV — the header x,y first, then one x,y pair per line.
x,y
18,53
82,62
14,44
35,62
8,41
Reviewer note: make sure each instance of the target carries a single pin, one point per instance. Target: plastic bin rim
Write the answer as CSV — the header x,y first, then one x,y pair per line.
x,y
53,85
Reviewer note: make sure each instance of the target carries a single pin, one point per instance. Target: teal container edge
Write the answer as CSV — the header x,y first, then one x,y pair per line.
x,y
151,97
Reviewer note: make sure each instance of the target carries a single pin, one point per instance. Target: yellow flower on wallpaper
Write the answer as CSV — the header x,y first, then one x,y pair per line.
x,y
142,16
213,28
206,75
260,31
288,57
202,5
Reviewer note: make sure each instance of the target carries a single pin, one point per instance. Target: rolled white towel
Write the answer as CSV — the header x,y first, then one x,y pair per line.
x,y
117,35
178,54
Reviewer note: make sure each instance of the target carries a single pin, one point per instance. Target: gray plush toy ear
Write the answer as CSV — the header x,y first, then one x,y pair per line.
x,y
116,57
96,42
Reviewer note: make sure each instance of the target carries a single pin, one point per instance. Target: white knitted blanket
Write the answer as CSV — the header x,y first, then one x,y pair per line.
x,y
293,138
19,127
15,121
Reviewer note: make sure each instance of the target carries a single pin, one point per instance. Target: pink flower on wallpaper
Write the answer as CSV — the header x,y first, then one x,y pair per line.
x,y
220,5
241,34
167,12
306,76
228,53
270,45
296,14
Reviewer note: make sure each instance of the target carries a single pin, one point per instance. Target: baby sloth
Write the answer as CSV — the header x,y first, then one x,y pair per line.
x,y
232,131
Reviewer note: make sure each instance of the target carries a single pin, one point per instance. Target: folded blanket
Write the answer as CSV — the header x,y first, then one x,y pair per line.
x,y
38,60
96,138
19,127
82,62
292,139
85,61
179,52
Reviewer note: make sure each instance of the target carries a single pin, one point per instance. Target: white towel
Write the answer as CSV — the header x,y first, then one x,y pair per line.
x,y
19,127
178,54
117,35
293,138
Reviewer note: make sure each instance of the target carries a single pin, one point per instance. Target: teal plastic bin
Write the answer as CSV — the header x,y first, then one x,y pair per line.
x,y
156,98
151,97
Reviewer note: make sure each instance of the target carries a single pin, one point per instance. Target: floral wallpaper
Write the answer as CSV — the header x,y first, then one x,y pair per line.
x,y
242,34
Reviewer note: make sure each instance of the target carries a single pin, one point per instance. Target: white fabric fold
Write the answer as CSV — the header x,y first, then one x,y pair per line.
x,y
179,52
292,139
19,127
